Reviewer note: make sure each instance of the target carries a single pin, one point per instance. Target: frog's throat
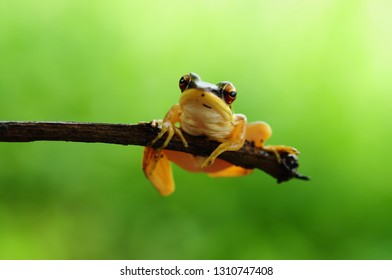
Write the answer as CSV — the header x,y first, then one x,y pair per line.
x,y
201,97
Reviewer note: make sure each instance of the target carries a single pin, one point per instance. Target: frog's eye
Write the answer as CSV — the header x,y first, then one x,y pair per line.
x,y
229,93
184,82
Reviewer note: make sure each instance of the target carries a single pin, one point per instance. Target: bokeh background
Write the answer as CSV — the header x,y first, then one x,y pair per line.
x,y
319,72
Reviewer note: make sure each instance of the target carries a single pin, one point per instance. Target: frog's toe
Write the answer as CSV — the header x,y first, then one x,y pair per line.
x,y
170,129
208,162
156,123
179,133
165,129
277,150
283,149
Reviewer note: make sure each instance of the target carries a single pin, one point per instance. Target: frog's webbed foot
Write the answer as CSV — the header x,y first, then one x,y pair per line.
x,y
277,150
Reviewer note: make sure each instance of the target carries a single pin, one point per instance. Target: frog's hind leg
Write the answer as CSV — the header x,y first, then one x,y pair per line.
x,y
157,168
231,171
259,132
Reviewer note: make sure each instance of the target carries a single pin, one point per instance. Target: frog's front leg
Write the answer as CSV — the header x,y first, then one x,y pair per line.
x,y
168,126
233,143
156,165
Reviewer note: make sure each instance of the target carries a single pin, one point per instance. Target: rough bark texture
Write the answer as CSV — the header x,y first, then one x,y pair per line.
x,y
143,133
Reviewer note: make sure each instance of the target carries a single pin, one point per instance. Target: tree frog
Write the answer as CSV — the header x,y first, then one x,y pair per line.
x,y
204,109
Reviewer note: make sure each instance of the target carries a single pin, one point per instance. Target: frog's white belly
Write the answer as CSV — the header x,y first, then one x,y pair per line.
x,y
201,120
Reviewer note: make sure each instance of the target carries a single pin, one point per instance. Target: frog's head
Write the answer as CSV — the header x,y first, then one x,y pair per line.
x,y
212,96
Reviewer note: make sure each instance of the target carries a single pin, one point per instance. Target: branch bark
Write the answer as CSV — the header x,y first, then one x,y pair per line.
x,y
143,133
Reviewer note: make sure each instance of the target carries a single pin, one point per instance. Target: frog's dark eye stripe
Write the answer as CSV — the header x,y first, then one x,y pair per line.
x,y
184,82
229,93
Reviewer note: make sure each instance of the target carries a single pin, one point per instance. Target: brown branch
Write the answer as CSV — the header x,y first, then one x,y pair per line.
x,y
143,133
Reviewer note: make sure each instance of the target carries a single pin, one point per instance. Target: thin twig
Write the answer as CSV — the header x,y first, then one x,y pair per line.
x,y
143,133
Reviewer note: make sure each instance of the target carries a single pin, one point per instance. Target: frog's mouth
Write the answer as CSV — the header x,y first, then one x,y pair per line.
x,y
202,101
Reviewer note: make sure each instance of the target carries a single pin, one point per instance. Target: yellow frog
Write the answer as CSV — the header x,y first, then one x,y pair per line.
x,y
204,109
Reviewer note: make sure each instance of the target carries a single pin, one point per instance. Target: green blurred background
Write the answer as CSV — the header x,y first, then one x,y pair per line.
x,y
319,72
